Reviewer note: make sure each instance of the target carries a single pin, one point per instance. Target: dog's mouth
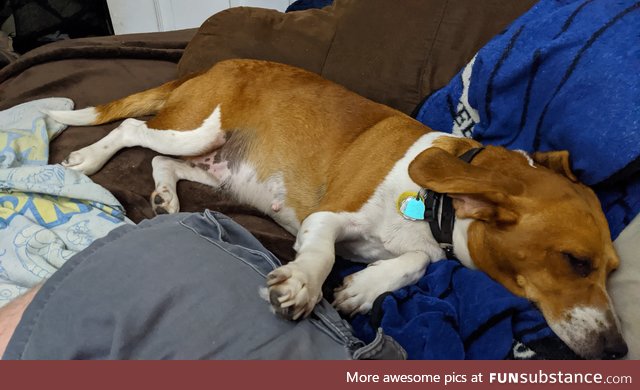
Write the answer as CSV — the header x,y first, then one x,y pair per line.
x,y
592,333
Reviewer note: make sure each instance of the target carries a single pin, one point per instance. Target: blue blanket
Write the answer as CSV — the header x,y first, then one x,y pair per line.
x,y
457,313
566,75
301,5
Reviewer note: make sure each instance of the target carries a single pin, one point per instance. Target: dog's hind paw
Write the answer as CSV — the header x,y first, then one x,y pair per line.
x,y
164,201
83,161
291,293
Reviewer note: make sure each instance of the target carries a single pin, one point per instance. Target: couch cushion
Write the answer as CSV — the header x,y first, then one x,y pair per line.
x,y
392,54
299,38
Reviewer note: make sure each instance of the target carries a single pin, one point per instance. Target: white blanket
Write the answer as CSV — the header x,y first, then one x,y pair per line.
x,y
624,286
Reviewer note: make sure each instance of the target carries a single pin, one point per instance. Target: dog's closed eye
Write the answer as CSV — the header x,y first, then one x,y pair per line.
x,y
580,265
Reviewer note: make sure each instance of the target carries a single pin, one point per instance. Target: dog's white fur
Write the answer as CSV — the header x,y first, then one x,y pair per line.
x,y
74,118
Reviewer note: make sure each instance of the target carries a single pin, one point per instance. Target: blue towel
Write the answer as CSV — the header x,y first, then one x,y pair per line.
x,y
301,5
565,75
456,313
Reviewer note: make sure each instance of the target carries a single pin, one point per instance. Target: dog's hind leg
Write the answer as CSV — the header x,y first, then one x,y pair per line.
x,y
132,132
168,171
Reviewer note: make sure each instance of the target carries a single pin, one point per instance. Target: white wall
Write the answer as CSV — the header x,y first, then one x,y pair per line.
x,y
165,15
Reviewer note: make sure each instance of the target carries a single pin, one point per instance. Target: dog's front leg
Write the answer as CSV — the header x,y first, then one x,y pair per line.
x,y
295,288
359,290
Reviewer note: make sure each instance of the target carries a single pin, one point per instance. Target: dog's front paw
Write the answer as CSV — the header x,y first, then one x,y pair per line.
x,y
83,161
291,293
358,292
164,201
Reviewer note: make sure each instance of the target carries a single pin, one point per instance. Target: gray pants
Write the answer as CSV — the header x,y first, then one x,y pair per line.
x,y
183,286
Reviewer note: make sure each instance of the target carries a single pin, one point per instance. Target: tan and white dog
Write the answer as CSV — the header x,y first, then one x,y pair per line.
x,y
330,166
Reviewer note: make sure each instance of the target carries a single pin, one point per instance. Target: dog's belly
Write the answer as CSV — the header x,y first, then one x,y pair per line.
x,y
267,196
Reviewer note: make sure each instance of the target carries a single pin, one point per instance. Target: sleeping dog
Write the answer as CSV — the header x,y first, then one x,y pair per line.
x,y
347,175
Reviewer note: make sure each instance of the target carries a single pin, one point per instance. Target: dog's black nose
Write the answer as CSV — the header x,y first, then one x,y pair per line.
x,y
615,350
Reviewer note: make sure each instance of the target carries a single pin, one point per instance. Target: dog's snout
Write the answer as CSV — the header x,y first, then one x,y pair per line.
x,y
592,333
614,345
614,348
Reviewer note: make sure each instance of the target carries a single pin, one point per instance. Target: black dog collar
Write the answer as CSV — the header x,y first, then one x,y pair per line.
x,y
442,228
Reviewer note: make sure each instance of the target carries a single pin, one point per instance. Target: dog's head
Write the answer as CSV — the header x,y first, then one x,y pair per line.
x,y
537,231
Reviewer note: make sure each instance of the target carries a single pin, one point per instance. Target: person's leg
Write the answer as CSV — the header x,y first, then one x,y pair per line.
x,y
180,286
11,314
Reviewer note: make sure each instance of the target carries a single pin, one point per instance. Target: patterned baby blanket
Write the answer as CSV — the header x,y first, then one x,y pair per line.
x,y
47,213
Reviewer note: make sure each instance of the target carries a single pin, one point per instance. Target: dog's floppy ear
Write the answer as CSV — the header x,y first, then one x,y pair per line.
x,y
557,161
477,192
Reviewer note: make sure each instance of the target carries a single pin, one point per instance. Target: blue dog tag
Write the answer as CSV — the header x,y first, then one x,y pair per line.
x,y
412,209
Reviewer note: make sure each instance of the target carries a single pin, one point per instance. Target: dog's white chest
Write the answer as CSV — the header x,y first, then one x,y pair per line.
x,y
380,230
381,241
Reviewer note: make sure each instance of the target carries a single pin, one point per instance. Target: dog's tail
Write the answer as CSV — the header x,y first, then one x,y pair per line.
x,y
139,104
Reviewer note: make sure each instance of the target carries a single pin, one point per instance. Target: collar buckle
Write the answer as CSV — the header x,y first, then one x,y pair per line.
x,y
432,206
448,250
